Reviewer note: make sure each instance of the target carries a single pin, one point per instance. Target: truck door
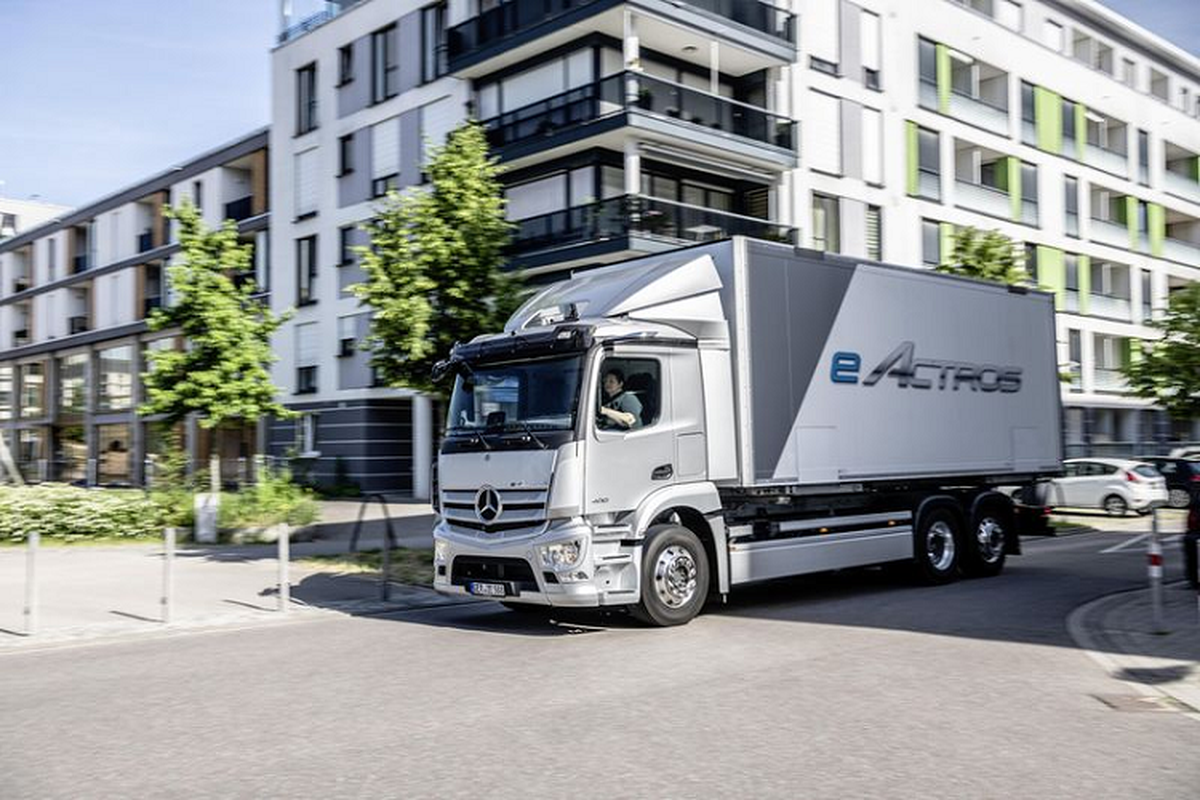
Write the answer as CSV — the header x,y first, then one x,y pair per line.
x,y
631,441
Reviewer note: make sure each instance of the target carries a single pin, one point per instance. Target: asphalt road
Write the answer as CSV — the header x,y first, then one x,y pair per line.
x,y
857,684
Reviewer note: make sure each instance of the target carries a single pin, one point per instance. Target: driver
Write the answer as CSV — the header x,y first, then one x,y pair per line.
x,y
619,409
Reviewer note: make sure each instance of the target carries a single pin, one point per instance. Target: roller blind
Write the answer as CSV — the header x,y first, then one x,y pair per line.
x,y
823,132
437,120
870,40
872,142
306,345
385,148
821,30
306,182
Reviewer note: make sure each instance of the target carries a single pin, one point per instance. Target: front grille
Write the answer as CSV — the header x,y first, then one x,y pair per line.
x,y
517,571
524,510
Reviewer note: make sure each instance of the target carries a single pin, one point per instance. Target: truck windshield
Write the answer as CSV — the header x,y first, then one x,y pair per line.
x,y
538,395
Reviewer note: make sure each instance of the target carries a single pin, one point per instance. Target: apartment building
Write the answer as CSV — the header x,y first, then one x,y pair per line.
x,y
75,293
18,215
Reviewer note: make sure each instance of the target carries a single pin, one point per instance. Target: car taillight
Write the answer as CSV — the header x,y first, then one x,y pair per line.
x,y
1196,478
1132,477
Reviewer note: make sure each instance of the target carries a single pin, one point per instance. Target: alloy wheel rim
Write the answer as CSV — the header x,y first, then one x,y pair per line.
x,y
939,546
990,535
675,576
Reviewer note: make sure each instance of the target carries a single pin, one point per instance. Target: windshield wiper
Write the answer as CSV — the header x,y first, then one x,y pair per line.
x,y
524,426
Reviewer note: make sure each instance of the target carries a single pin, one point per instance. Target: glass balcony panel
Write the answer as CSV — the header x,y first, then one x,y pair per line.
x,y
1107,160
929,184
929,95
1111,233
1108,379
1181,185
1119,308
1071,301
1183,252
1029,212
985,199
975,111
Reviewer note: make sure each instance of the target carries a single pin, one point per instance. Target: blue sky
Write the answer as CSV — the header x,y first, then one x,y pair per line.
x,y
99,95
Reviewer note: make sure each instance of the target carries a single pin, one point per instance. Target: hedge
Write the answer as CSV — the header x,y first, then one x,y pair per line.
x,y
59,511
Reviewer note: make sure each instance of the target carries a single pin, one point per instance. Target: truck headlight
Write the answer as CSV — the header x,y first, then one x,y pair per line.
x,y
561,555
441,549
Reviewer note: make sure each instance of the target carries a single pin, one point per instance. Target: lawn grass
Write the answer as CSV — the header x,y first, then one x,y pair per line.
x,y
411,565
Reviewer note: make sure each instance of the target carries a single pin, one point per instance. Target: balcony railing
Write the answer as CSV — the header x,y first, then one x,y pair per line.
x,y
979,197
635,90
331,10
1107,160
622,216
1181,251
77,324
516,16
978,111
1029,212
1108,379
1110,233
1071,301
80,263
240,209
145,241
1181,186
1118,308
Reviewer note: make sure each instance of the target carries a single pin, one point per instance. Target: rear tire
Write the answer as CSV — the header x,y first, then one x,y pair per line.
x,y
985,548
674,577
936,547
1178,498
1115,506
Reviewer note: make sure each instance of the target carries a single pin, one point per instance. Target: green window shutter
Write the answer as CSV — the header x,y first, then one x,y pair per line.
x,y
1196,169
1081,131
945,241
1083,266
1052,273
1047,109
910,138
1133,350
1131,220
943,78
1156,220
1014,186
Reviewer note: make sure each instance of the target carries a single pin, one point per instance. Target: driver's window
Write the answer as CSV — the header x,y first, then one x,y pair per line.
x,y
630,396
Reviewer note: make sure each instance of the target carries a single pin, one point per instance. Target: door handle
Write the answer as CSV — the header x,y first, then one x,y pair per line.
x,y
662,473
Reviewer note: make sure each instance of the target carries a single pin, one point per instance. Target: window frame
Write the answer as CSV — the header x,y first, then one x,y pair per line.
x,y
306,99
306,279
623,359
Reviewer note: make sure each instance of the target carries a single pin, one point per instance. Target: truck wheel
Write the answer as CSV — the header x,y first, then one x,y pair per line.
x,y
984,549
1115,505
674,577
936,549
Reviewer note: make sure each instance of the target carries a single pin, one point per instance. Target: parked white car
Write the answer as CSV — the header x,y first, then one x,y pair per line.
x,y
1191,451
1113,484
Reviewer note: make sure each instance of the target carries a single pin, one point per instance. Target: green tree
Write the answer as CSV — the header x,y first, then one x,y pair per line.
x,y
223,376
984,255
434,267
1168,371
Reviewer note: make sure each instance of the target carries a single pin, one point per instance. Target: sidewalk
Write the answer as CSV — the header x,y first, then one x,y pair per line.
x,y
1118,631
100,592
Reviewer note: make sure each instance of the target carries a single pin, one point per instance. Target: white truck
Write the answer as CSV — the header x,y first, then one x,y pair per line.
x,y
792,412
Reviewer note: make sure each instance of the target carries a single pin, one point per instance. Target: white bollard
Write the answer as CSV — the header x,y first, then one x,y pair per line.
x,y
168,577
285,586
31,587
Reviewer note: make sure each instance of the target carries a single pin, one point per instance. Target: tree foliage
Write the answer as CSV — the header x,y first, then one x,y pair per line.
x,y
223,376
985,255
1168,371
434,267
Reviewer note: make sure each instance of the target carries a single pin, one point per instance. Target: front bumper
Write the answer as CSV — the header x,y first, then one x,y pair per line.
x,y
606,574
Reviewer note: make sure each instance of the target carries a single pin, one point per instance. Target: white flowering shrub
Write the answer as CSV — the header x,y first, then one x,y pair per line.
x,y
66,512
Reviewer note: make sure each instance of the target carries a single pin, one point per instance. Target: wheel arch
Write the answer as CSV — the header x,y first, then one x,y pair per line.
x,y
696,507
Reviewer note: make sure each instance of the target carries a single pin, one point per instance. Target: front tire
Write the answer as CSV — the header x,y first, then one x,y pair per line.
x,y
936,547
674,577
1115,506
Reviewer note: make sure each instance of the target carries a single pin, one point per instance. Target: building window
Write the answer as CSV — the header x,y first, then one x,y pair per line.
x,y
306,435
1071,203
347,335
1160,85
927,71
1128,72
345,64
1028,114
874,233
306,99
433,44
198,195
114,464
346,256
385,65
1068,125
1031,263
6,394
306,270
1071,261
1143,158
825,224
306,183
116,379
929,173
1075,360
385,156
1147,298
8,225
346,154
306,358
869,33
931,243
72,384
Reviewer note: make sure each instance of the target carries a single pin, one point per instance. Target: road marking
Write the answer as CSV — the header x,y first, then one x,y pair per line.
x,y
1128,543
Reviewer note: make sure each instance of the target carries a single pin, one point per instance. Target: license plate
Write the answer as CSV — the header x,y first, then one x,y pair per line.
x,y
488,589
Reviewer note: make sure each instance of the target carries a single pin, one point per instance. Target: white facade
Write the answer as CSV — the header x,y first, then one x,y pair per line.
x,y
21,215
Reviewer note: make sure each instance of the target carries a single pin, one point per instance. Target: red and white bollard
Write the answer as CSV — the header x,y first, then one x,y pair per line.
x,y
1154,565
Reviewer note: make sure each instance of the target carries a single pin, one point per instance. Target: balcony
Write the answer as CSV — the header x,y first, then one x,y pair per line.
x,y
20,337
239,209
145,241
1110,233
649,103
77,324
80,263
1181,185
1118,308
331,9
983,198
1181,251
1107,160
658,224
1108,379
539,25
979,112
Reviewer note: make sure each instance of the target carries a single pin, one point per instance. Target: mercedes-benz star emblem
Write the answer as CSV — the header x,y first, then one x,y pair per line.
x,y
487,504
